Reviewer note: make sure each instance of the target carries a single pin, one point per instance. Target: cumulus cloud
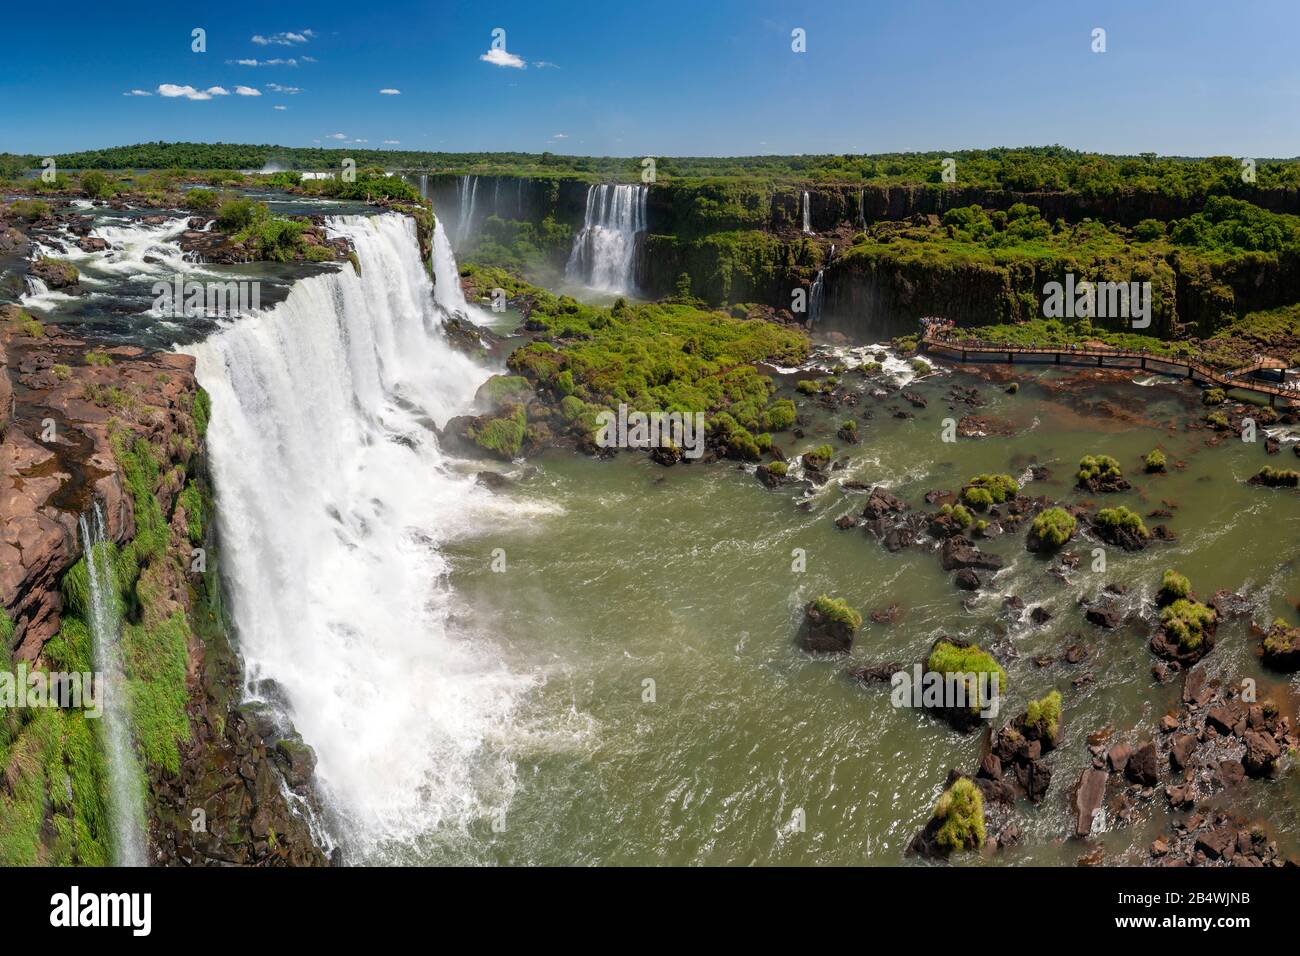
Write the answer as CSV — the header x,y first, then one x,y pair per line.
x,y
247,91
392,142
337,136
288,38
389,91
279,107
502,58
286,90
137,93
171,90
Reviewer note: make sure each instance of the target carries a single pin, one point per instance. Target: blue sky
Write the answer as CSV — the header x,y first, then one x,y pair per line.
x,y
1189,77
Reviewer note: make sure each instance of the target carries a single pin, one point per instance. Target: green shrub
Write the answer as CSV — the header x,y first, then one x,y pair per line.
x,y
239,213
96,357
1098,466
778,468
1053,527
1155,461
948,658
1122,518
1219,420
1173,586
95,185
203,200
1277,477
837,611
961,812
1188,621
818,457
1213,396
29,209
921,367
502,436
780,415
1046,714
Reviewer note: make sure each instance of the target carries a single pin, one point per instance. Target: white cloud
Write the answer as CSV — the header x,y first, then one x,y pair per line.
x,y
279,108
502,58
361,141
286,90
389,91
288,38
559,136
274,62
247,91
392,142
138,93
545,64
337,136
190,93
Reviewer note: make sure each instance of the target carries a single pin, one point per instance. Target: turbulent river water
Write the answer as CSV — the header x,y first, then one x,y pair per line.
x,y
598,665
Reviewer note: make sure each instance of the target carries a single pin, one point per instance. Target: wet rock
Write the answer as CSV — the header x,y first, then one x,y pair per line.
x,y
824,634
958,553
1088,797
1143,766
1262,753
1118,757
967,580
1181,750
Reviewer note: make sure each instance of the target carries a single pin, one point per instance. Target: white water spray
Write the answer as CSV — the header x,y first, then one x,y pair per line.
x,y
807,213
125,807
333,503
604,251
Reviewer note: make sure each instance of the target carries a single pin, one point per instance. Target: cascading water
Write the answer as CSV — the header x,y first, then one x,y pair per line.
x,y
447,291
815,297
604,251
466,193
862,208
125,807
807,212
334,501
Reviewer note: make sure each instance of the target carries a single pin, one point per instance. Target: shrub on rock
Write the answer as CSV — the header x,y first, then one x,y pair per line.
x,y
1051,529
1155,461
829,625
960,812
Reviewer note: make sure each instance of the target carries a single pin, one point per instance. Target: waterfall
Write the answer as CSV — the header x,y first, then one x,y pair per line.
x,y
334,504
467,193
815,297
125,787
446,288
807,213
604,251
862,207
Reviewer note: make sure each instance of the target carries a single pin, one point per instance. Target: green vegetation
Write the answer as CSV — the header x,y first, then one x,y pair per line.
x,y
1122,519
95,357
950,659
1276,477
654,357
1045,714
1053,527
1173,587
29,209
1188,621
1213,396
961,812
819,457
837,612
191,499
985,490
95,185
502,436
1101,467
778,468
960,515
201,411
201,200
1155,461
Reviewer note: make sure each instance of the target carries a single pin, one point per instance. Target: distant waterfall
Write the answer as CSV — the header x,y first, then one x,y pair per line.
x,y
125,808
807,213
604,251
815,298
334,504
862,207
467,194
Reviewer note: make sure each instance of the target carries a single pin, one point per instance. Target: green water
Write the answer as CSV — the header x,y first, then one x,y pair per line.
x,y
684,577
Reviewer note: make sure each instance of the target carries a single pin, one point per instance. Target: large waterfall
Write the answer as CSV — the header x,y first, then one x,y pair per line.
x,y
125,806
807,212
334,503
604,251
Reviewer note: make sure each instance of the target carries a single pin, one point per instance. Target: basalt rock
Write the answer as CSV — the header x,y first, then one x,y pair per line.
x,y
958,553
